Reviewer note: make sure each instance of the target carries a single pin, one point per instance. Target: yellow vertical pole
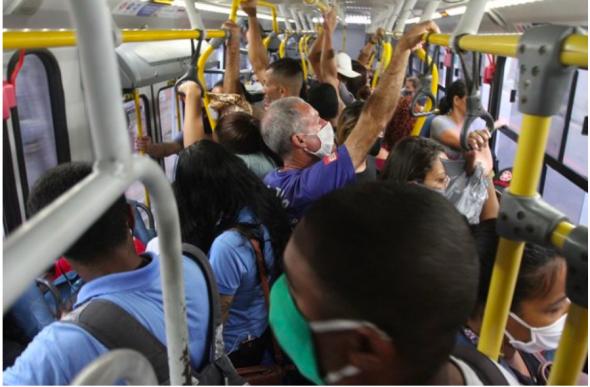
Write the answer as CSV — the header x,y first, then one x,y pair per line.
x,y
178,112
383,63
139,123
233,13
526,174
422,55
201,74
283,46
302,55
573,348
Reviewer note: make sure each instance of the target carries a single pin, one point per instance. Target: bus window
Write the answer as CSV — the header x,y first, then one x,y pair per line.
x,y
36,118
505,151
509,108
136,190
564,195
168,125
576,148
584,213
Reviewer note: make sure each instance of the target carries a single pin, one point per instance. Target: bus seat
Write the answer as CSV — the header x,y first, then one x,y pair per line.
x,y
141,231
425,131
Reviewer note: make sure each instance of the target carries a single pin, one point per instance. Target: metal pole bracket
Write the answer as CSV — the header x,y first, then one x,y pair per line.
x,y
543,80
528,219
575,251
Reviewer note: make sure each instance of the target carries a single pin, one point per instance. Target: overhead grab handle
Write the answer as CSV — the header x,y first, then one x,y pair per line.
x,y
192,74
426,81
474,108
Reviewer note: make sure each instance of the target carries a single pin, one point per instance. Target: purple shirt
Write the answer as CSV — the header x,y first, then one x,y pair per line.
x,y
298,188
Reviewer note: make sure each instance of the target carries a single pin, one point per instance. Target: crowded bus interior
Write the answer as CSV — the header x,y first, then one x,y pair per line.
x,y
295,192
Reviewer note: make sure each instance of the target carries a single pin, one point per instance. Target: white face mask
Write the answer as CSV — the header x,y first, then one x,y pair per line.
x,y
542,338
326,136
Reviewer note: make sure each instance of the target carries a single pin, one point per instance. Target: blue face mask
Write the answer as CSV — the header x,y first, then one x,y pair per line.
x,y
295,334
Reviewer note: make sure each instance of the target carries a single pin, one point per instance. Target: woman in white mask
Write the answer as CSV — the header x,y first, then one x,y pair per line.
x,y
537,315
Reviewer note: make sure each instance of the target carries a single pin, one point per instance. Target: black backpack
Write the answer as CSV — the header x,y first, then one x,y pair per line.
x,y
115,329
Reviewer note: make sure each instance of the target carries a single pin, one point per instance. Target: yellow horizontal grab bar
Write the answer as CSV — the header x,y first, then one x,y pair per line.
x,y
13,40
574,50
560,234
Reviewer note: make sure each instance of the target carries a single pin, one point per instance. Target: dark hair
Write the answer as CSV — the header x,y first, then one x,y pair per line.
x,y
400,125
418,293
355,85
212,186
347,120
458,89
411,159
538,270
239,133
108,232
324,98
287,68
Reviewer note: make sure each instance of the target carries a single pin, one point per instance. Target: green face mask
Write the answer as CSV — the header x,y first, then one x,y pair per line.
x,y
292,331
295,334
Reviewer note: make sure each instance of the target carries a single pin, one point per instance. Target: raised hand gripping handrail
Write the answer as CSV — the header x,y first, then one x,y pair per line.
x,y
121,364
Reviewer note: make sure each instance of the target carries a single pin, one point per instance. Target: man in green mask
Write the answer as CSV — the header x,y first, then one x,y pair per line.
x,y
378,279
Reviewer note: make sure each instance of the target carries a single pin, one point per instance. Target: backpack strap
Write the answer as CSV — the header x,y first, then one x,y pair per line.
x,y
215,331
483,366
115,328
256,240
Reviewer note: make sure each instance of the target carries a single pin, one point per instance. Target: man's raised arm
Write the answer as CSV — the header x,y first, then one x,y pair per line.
x,y
231,79
256,50
381,105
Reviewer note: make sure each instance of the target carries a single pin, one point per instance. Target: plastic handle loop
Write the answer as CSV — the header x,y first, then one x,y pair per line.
x,y
474,111
192,72
424,92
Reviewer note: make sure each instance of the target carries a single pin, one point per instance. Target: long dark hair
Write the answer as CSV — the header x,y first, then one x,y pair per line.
x,y
457,88
411,159
239,133
212,186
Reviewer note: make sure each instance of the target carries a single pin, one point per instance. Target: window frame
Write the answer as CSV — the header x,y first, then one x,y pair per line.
x,y
56,98
12,219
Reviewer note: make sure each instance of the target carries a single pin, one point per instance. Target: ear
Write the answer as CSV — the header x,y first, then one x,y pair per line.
x,y
376,357
130,217
298,140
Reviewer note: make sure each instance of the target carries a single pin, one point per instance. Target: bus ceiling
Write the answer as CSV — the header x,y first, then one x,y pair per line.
x,y
501,15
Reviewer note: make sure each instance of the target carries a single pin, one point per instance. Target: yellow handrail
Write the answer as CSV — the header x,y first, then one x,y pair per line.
x,y
572,350
383,63
201,74
30,39
273,13
527,172
434,90
574,50
283,45
302,42
318,3
139,123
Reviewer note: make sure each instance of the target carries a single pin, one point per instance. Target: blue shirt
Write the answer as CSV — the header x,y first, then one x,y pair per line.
x,y
61,350
233,261
298,188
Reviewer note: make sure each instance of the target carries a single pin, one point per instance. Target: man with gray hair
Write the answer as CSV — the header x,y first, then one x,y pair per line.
x,y
295,131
